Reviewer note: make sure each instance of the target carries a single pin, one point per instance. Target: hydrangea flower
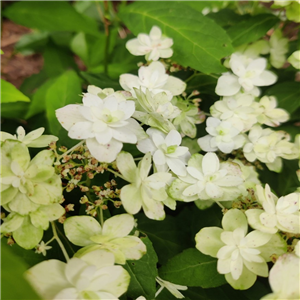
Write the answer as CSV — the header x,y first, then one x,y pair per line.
x,y
223,135
268,113
153,78
26,184
166,150
114,236
144,191
248,74
284,278
241,256
93,276
104,124
278,49
269,146
294,59
171,287
28,229
207,179
156,111
190,115
277,214
237,110
154,45
33,139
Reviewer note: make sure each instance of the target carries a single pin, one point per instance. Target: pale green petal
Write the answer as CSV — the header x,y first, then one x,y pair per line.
x,y
260,269
196,161
45,157
208,240
131,198
8,194
48,278
257,238
246,280
254,221
126,166
32,135
276,246
42,141
74,267
79,229
28,236
131,246
39,219
99,258
153,209
233,219
11,223
118,226
204,204
176,191
53,211
145,165
39,173
21,204
170,203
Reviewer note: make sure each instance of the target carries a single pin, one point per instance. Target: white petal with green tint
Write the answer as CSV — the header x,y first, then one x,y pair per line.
x,y
208,240
245,281
131,198
53,211
253,216
39,219
79,229
118,226
11,223
126,166
233,219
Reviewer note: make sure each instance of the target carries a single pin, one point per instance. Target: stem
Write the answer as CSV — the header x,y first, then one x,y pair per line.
x,y
53,238
158,292
191,77
70,150
107,40
61,245
220,204
116,173
101,216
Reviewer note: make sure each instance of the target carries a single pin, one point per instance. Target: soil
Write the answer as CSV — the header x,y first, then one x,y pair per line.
x,y
15,67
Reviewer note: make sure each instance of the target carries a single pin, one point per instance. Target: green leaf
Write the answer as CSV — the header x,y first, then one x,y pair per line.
x,y
226,17
287,94
13,284
65,90
16,110
200,5
252,29
287,179
100,80
57,60
203,83
38,100
32,42
192,268
143,273
198,41
50,16
9,93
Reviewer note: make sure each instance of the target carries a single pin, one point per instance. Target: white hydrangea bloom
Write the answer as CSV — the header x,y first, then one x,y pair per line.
x,y
268,113
26,184
284,278
166,150
114,236
269,147
155,79
294,59
237,109
223,135
33,139
171,287
208,179
93,276
278,49
104,124
248,74
154,45
156,110
277,214
28,229
144,191
241,256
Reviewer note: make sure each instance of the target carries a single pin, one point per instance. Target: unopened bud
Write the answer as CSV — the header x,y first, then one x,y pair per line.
x,y
10,241
90,175
84,199
84,188
70,187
